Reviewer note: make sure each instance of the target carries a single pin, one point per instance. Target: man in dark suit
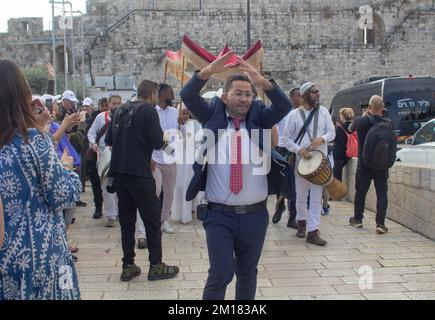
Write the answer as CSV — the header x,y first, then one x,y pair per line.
x,y
237,217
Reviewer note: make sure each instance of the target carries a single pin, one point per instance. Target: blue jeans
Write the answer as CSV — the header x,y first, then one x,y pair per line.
x,y
234,245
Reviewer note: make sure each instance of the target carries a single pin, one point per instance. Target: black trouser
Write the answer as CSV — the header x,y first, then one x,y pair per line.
x,y
95,182
363,179
338,167
139,193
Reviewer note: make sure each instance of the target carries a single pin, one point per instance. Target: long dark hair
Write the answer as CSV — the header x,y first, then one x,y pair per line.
x,y
15,103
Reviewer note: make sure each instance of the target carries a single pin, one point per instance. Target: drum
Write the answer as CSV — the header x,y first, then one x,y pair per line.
x,y
317,169
337,189
103,163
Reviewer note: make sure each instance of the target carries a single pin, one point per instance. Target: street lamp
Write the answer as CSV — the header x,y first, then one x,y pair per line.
x,y
82,29
65,54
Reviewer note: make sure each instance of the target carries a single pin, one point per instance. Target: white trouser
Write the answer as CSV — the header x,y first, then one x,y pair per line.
x,y
312,216
166,175
110,201
140,228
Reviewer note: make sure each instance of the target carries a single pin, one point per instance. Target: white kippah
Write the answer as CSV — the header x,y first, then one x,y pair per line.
x,y
305,87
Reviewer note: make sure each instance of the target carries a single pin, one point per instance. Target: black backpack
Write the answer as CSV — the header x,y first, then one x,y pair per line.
x,y
379,151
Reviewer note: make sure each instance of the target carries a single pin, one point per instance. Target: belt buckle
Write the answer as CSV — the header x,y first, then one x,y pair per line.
x,y
241,209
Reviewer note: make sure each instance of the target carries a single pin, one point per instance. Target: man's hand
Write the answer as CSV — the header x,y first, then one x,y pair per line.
x,y
253,75
316,143
216,66
50,71
304,153
94,147
153,165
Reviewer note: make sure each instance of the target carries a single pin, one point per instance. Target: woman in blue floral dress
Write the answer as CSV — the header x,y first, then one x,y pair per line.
x,y
35,261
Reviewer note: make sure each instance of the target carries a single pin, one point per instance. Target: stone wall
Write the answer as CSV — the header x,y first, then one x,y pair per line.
x,y
411,195
303,39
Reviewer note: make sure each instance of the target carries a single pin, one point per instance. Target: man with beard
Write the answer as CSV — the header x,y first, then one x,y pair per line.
x,y
318,133
165,173
96,135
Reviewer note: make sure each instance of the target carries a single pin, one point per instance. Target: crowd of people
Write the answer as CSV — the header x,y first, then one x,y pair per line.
x,y
50,145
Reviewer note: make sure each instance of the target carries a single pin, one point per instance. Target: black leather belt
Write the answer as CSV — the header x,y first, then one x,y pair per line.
x,y
238,209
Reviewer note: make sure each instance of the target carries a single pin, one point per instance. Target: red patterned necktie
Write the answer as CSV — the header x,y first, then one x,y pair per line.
x,y
236,174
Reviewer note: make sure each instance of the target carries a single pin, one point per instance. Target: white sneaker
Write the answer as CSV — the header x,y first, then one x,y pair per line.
x,y
166,227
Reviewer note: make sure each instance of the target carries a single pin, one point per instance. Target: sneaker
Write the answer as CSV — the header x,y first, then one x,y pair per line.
x,y
142,243
381,228
355,223
166,227
98,213
280,207
302,227
162,271
129,272
81,204
110,223
292,224
314,238
325,211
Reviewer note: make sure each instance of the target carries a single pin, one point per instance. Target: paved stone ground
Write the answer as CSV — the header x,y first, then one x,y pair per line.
x,y
403,262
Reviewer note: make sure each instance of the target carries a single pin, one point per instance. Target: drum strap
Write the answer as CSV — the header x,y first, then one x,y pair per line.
x,y
307,122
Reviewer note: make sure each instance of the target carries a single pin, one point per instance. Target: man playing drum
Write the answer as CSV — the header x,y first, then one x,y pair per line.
x,y
318,133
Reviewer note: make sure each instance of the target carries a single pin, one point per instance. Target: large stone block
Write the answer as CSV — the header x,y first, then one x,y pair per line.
x,y
417,206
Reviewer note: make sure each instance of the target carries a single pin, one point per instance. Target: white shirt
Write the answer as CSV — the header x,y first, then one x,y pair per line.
x,y
98,123
217,188
168,120
325,129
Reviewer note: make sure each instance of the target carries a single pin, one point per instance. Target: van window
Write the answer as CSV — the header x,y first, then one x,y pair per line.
x,y
426,133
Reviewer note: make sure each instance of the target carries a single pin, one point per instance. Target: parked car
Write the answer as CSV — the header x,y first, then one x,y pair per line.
x,y
421,147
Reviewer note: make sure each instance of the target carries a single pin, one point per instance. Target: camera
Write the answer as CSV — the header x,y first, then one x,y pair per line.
x,y
111,185
201,212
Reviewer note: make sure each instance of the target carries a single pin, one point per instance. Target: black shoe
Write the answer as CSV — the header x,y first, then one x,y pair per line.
x,y
280,207
162,271
129,272
355,223
381,228
81,204
98,213
74,258
292,224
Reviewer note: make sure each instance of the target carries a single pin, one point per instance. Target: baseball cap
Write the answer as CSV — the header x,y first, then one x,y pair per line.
x,y
69,95
88,102
50,97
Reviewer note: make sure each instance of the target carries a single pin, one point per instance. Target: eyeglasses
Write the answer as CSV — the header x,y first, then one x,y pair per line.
x,y
240,94
37,106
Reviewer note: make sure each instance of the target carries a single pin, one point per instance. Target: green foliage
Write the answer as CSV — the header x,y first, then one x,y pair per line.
x,y
37,78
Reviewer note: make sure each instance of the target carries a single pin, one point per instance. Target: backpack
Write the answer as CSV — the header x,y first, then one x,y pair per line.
x,y
352,143
379,151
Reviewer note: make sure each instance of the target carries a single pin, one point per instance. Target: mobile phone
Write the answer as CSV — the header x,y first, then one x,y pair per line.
x,y
49,105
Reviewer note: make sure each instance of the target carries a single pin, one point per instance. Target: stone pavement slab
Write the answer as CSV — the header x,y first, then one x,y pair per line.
x,y
401,263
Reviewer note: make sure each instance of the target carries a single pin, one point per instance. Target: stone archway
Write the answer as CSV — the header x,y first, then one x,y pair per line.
x,y
60,60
